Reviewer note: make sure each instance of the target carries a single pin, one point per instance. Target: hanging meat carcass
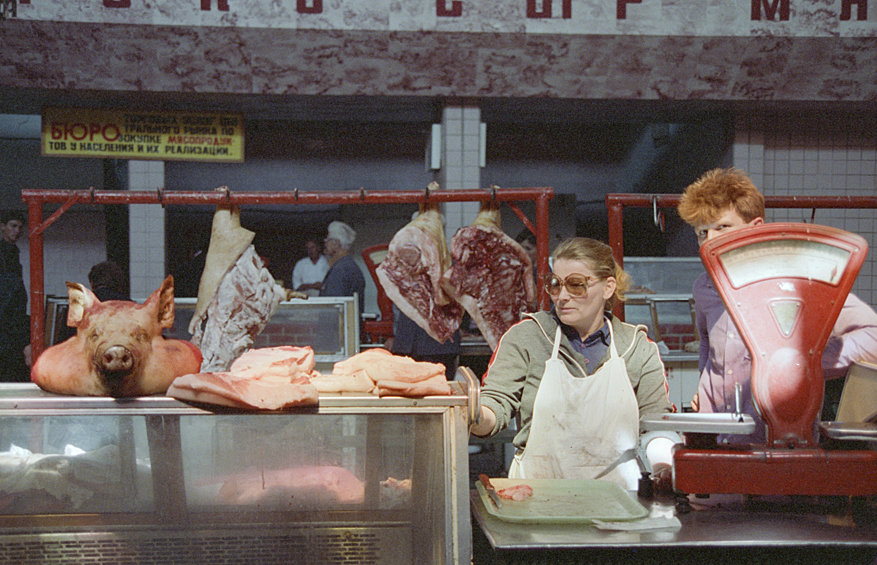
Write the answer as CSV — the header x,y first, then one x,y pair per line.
x,y
236,296
491,276
412,270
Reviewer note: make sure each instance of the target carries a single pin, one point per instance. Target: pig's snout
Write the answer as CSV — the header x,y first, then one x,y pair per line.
x,y
116,359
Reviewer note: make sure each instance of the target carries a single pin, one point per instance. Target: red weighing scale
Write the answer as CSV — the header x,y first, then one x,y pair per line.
x,y
784,285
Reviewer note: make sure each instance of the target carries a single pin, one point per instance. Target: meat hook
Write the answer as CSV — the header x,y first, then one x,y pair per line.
x,y
658,217
225,189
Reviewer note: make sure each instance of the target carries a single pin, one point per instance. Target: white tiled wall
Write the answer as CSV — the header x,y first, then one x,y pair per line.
x,y
816,156
461,162
146,230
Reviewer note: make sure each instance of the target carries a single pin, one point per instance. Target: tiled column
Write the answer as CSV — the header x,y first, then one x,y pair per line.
x,y
146,230
461,161
749,149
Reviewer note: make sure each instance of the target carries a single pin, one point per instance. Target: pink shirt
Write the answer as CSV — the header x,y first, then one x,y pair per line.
x,y
725,359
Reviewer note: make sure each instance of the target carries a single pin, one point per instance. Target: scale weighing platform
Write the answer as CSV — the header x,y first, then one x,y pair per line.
x,y
784,285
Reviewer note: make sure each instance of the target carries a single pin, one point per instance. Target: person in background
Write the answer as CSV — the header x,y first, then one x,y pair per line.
x,y
14,320
344,278
578,379
720,201
108,282
411,340
528,241
309,272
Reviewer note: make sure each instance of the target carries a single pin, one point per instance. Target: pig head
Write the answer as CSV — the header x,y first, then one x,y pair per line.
x,y
118,349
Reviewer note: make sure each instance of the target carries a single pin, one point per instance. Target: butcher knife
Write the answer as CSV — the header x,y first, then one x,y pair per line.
x,y
491,492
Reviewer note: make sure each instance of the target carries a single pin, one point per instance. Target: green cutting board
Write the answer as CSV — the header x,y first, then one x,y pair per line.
x,y
564,501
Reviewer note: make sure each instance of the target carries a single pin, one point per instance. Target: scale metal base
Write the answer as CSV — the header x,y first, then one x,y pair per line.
x,y
809,472
701,466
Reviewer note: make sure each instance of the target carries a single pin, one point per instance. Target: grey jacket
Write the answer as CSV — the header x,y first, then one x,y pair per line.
x,y
517,365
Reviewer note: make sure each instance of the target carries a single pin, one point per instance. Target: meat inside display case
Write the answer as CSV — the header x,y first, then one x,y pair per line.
x,y
381,479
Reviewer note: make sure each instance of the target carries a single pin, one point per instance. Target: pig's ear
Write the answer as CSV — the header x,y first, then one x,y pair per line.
x,y
165,298
80,299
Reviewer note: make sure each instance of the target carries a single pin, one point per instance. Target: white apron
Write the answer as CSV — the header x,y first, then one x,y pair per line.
x,y
581,426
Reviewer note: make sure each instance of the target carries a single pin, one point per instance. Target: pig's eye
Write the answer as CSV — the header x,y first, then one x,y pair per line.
x,y
94,335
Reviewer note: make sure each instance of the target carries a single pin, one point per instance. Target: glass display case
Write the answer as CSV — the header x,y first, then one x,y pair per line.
x,y
357,479
660,298
327,324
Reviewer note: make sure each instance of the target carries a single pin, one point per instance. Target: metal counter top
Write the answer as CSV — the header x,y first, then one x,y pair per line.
x,y
26,399
816,526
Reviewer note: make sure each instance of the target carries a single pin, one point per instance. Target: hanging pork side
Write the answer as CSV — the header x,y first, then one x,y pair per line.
x,y
412,270
236,296
491,276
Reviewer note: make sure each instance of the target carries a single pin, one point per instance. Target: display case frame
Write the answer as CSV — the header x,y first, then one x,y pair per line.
x,y
433,528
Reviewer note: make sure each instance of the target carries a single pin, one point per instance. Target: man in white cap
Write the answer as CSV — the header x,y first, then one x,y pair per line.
x,y
344,277
309,272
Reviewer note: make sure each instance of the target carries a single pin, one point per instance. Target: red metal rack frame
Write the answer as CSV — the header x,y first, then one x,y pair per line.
x,y
37,198
615,204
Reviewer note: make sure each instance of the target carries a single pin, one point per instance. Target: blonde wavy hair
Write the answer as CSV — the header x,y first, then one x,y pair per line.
x,y
598,256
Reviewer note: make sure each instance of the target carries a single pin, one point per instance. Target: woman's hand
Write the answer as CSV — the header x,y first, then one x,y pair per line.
x,y
485,424
695,404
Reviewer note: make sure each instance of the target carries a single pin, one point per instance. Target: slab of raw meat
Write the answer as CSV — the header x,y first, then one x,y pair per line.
x,y
411,275
517,492
358,381
434,386
269,378
381,365
282,361
227,389
491,276
296,486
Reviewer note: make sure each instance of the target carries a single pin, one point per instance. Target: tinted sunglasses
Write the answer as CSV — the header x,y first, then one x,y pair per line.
x,y
576,284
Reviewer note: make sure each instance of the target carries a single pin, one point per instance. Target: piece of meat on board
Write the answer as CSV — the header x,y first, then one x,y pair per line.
x,y
516,492
491,276
411,274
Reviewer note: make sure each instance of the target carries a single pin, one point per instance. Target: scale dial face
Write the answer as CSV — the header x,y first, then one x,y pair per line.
x,y
789,258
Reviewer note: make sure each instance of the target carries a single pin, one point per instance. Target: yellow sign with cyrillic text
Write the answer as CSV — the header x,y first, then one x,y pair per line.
x,y
165,136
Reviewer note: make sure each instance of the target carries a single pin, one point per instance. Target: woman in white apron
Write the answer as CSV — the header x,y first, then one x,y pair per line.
x,y
576,378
